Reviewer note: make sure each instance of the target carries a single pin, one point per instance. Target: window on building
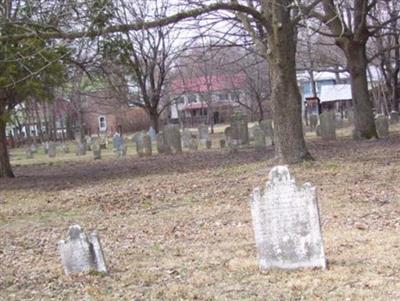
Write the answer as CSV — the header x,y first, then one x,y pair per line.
x,y
192,98
223,96
102,123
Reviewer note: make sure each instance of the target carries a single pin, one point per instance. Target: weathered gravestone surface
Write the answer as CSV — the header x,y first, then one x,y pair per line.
x,y
52,150
143,145
80,149
203,133
239,129
266,126
162,145
173,138
46,147
382,126
88,141
286,223
318,130
313,121
96,151
327,125
33,148
103,141
259,138
81,252
65,148
117,141
394,117
189,140
222,143
208,144
228,134
29,153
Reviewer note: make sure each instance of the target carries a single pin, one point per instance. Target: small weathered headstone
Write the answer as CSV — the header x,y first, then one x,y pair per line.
x,y
52,150
103,141
65,148
81,252
318,130
117,141
382,126
259,138
228,134
172,136
89,142
143,145
33,148
394,117
46,147
29,153
162,145
203,132
286,223
80,149
313,121
189,140
239,128
327,125
222,143
96,151
208,144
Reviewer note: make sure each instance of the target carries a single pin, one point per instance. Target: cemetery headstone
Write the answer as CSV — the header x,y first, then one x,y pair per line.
x,y
33,148
222,143
173,138
239,128
103,141
394,117
318,130
162,145
80,149
186,138
29,153
327,125
266,126
46,147
208,144
81,252
228,134
313,121
203,132
259,139
89,141
382,126
52,150
286,223
96,151
143,145
117,141
65,148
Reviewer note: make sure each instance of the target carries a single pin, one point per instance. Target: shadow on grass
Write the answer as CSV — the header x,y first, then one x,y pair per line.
x,y
73,174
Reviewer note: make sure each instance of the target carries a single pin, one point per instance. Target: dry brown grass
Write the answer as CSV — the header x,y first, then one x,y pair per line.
x,y
179,228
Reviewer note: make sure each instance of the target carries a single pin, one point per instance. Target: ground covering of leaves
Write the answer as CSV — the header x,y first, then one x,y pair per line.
x,y
179,227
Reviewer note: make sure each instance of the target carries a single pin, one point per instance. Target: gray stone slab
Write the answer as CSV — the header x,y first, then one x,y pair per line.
x,y
81,252
286,223
328,125
382,126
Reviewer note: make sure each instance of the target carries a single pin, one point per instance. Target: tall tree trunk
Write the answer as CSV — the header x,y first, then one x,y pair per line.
x,y
290,146
5,166
364,123
154,121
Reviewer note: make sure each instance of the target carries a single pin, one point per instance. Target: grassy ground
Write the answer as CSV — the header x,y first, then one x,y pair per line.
x,y
179,227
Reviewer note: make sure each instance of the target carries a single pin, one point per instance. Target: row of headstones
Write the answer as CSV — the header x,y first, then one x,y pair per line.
x,y
238,133
286,225
327,126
